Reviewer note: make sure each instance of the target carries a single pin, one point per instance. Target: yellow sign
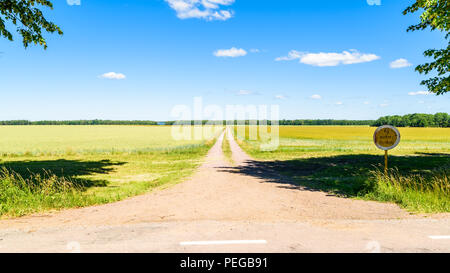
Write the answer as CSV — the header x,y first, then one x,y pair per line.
x,y
386,137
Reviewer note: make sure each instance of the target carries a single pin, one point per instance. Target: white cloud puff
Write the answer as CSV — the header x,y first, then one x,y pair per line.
x,y
232,52
316,97
113,76
244,92
400,63
280,97
73,2
329,59
418,93
202,9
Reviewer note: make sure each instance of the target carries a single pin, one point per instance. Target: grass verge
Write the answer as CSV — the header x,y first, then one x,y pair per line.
x,y
226,149
421,193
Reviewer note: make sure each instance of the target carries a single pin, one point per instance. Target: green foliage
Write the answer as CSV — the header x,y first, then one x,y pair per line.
x,y
29,19
436,16
415,120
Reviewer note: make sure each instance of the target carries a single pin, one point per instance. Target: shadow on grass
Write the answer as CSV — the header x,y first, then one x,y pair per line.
x,y
62,168
343,175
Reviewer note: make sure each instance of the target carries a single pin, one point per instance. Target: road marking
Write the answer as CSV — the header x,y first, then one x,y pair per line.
x,y
231,242
440,237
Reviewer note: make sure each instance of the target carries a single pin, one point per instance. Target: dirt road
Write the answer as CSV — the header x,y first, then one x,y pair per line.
x,y
264,211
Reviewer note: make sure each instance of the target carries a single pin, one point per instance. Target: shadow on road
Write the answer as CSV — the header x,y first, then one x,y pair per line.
x,y
343,175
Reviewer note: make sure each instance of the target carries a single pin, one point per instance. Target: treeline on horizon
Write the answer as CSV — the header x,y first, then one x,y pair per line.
x,y
411,120
415,120
187,122
79,122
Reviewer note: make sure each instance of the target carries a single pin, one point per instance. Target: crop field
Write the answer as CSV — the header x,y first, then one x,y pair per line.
x,y
54,167
344,160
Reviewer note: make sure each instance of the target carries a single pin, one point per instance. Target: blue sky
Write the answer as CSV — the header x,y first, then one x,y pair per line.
x,y
137,59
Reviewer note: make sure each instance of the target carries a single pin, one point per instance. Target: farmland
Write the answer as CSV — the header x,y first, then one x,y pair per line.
x,y
344,161
55,167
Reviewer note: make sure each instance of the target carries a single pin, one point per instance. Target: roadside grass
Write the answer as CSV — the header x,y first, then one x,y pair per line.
x,y
344,161
424,193
31,183
226,149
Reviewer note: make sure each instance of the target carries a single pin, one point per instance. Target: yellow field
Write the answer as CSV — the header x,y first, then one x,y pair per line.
x,y
46,140
345,161
362,133
311,141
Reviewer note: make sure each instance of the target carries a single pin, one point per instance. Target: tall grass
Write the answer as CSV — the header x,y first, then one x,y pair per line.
x,y
227,149
416,192
19,196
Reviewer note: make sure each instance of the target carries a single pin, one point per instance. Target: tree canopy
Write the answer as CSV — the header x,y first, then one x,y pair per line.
x,y
435,16
27,15
415,120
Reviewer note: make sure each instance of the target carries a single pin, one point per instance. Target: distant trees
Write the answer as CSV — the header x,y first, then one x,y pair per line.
x,y
15,122
79,122
412,120
297,122
415,120
325,122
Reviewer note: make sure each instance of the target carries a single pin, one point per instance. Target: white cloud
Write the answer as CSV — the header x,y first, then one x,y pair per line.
x,y
292,55
316,97
255,50
366,102
418,93
400,63
232,52
339,103
113,76
329,59
73,2
244,92
384,105
280,97
202,9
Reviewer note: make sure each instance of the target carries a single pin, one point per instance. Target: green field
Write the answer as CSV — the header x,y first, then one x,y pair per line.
x,y
344,160
54,167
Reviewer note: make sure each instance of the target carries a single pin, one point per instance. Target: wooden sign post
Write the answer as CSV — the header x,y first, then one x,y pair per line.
x,y
386,138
